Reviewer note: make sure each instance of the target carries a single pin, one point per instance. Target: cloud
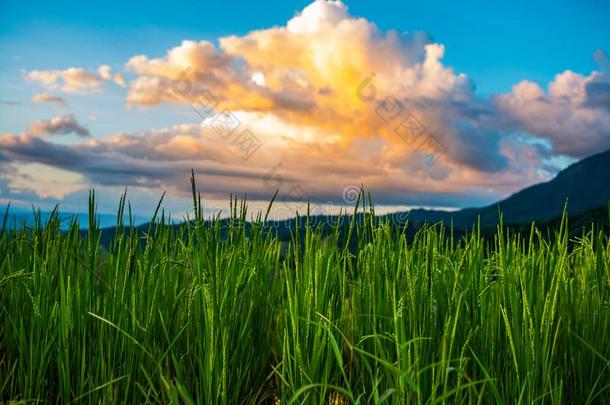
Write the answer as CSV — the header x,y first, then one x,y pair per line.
x,y
74,80
310,72
573,113
48,98
298,160
331,101
598,95
105,73
45,181
63,125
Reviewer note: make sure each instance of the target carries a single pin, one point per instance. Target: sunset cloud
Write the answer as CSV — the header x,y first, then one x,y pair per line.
x,y
573,113
159,159
105,73
311,72
63,125
74,80
48,98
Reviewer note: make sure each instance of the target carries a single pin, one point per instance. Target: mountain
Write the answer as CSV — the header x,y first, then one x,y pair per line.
x,y
19,216
585,185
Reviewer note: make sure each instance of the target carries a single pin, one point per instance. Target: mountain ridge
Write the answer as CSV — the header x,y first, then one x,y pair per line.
x,y
584,184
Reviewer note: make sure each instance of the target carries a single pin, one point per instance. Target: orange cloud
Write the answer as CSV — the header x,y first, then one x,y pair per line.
x,y
48,98
59,126
312,73
74,80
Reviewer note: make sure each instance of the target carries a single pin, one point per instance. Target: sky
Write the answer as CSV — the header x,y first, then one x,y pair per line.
x,y
434,104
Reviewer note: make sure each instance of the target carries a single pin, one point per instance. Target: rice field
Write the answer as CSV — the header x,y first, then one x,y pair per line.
x,y
214,312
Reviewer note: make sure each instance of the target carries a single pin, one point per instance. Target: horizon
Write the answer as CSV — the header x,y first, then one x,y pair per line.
x,y
314,99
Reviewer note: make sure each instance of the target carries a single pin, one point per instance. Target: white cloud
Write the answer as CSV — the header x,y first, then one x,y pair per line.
x,y
573,114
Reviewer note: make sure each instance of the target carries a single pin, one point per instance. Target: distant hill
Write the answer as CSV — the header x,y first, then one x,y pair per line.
x,y
577,223
585,185
19,216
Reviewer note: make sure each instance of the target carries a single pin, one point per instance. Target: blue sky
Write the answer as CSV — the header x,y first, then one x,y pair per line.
x,y
495,44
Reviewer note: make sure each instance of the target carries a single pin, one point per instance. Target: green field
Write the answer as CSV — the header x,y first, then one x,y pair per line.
x,y
220,313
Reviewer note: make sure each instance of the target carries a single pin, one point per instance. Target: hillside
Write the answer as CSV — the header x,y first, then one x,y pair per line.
x,y
585,185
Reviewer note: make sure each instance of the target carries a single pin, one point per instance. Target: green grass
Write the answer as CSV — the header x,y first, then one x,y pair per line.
x,y
202,314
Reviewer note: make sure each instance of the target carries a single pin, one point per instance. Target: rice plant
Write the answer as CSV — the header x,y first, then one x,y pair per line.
x,y
222,311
